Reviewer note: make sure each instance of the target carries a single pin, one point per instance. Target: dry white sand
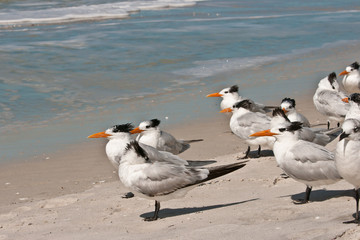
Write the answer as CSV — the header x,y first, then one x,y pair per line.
x,y
75,194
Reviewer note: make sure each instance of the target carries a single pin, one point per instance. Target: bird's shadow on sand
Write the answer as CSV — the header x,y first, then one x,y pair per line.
x,y
168,212
254,154
323,195
264,153
200,163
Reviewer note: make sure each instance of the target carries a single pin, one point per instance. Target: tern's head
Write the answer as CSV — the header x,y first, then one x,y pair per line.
x,y
134,153
117,131
286,129
151,125
244,104
351,129
231,92
353,99
288,105
329,82
351,69
279,117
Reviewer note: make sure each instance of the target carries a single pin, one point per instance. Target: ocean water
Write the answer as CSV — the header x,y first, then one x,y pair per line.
x,y
73,68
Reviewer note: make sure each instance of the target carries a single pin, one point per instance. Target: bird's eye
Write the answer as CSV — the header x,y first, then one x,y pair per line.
x,y
282,129
146,158
147,126
226,92
356,129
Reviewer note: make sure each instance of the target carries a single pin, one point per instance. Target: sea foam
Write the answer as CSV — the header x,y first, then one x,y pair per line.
x,y
52,15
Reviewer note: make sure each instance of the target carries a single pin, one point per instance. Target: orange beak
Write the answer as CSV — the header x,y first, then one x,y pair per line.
x,y
214,95
345,100
284,110
226,110
136,130
344,73
99,135
263,133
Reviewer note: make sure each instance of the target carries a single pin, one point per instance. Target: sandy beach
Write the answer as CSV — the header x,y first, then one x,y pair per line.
x,y
74,68
75,194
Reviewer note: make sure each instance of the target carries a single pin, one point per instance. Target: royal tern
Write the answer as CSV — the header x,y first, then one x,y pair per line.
x,y
119,137
231,96
306,162
328,99
288,106
347,158
351,80
354,111
244,122
160,179
150,134
315,135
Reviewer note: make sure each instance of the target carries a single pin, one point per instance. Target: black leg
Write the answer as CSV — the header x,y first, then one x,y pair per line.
x,y
357,204
307,196
247,153
338,124
356,220
328,124
259,151
156,213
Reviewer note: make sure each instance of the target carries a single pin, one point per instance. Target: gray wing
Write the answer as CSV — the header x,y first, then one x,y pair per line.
x,y
331,103
162,156
169,143
310,135
312,162
253,122
161,178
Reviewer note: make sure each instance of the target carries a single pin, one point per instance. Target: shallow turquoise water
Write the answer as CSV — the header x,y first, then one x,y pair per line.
x,y
64,79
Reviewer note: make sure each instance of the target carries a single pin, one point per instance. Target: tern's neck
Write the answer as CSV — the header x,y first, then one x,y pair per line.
x,y
150,137
354,74
282,145
240,111
354,111
291,112
289,138
115,149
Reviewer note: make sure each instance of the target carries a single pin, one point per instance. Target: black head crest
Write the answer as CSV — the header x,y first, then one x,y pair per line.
x,y
154,122
290,100
332,79
136,147
279,112
243,104
123,128
294,126
355,97
234,88
355,65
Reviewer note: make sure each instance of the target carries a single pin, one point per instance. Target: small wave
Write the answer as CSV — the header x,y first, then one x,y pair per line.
x,y
216,66
73,43
85,12
213,67
216,17
6,113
